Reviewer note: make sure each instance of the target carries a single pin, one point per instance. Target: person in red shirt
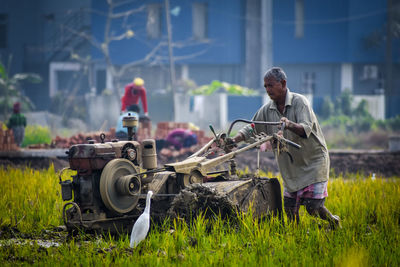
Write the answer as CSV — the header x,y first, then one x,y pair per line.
x,y
134,91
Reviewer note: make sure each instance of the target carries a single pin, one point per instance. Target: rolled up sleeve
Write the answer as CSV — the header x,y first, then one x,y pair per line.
x,y
304,118
246,131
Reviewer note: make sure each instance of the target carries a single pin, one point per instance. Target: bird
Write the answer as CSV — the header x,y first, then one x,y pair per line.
x,y
142,224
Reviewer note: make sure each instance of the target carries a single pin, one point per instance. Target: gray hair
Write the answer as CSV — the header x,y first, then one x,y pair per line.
x,y
277,73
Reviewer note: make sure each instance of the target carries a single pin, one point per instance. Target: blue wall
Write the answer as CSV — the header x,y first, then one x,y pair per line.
x,y
26,35
225,31
366,17
243,107
333,31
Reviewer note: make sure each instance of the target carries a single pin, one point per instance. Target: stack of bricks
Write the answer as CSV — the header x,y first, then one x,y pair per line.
x,y
82,138
144,131
7,140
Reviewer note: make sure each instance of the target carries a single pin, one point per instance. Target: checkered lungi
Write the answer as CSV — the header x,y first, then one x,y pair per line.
x,y
314,191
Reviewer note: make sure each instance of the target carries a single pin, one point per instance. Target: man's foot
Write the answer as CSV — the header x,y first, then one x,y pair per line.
x,y
335,222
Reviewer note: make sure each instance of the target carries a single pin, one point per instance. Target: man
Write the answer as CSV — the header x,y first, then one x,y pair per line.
x,y
180,138
17,123
133,92
305,171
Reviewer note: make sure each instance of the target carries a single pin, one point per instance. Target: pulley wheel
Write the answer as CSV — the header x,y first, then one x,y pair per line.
x,y
192,178
110,181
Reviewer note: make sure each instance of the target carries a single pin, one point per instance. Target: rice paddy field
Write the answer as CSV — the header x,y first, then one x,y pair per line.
x,y
30,213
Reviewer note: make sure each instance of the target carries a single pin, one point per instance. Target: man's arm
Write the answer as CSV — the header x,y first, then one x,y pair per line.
x,y
294,127
143,97
239,137
124,99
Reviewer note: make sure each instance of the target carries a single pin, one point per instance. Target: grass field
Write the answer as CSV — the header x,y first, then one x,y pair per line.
x,y
370,210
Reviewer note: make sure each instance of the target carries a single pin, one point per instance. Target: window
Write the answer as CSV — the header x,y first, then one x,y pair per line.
x,y
299,19
3,30
153,21
369,72
308,82
199,22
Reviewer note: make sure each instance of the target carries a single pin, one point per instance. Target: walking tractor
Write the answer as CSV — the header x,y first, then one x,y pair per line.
x,y
108,191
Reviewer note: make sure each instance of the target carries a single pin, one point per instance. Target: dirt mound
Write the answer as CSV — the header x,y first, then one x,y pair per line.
x,y
198,199
225,198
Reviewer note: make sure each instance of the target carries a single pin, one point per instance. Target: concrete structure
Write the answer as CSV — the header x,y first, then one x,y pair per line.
x,y
202,110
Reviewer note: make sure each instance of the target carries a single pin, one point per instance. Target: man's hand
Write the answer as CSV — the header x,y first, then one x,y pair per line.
x,y
230,143
285,123
292,126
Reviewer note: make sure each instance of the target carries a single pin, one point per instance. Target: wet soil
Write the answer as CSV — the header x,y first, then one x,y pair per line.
x,y
56,234
198,199
382,163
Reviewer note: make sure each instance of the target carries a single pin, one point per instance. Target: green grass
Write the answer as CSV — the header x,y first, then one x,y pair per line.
x,y
36,134
370,211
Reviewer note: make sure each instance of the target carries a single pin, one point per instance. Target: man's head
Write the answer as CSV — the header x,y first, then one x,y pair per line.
x,y
275,84
133,108
16,107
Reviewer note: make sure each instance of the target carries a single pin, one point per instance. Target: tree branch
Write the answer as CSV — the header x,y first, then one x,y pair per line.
x,y
146,59
127,13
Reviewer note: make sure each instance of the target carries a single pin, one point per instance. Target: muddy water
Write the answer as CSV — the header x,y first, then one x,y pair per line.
x,y
29,242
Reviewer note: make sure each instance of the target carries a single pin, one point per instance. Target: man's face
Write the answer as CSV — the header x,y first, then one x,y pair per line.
x,y
275,90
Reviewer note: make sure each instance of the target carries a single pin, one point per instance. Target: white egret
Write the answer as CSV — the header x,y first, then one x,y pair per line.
x,y
142,224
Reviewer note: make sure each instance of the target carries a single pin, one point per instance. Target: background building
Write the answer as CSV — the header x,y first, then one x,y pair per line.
x,y
325,46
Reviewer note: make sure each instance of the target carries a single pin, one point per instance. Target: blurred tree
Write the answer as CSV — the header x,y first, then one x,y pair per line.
x,y
327,108
384,37
10,88
362,110
343,103
112,18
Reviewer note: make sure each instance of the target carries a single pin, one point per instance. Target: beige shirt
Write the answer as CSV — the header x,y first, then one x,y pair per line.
x,y
310,162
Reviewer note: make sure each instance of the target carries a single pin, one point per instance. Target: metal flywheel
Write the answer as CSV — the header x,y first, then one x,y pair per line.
x,y
119,187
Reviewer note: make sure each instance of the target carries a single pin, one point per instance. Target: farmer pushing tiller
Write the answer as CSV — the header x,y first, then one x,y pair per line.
x,y
305,171
113,177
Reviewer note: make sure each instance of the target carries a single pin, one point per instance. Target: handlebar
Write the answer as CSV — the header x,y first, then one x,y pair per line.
x,y
291,143
249,121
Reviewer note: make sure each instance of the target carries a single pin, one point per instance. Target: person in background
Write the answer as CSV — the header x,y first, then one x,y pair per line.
x,y
17,123
133,92
305,173
180,138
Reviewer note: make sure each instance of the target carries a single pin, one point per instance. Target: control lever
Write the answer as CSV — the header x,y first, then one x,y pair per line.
x,y
212,130
291,143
